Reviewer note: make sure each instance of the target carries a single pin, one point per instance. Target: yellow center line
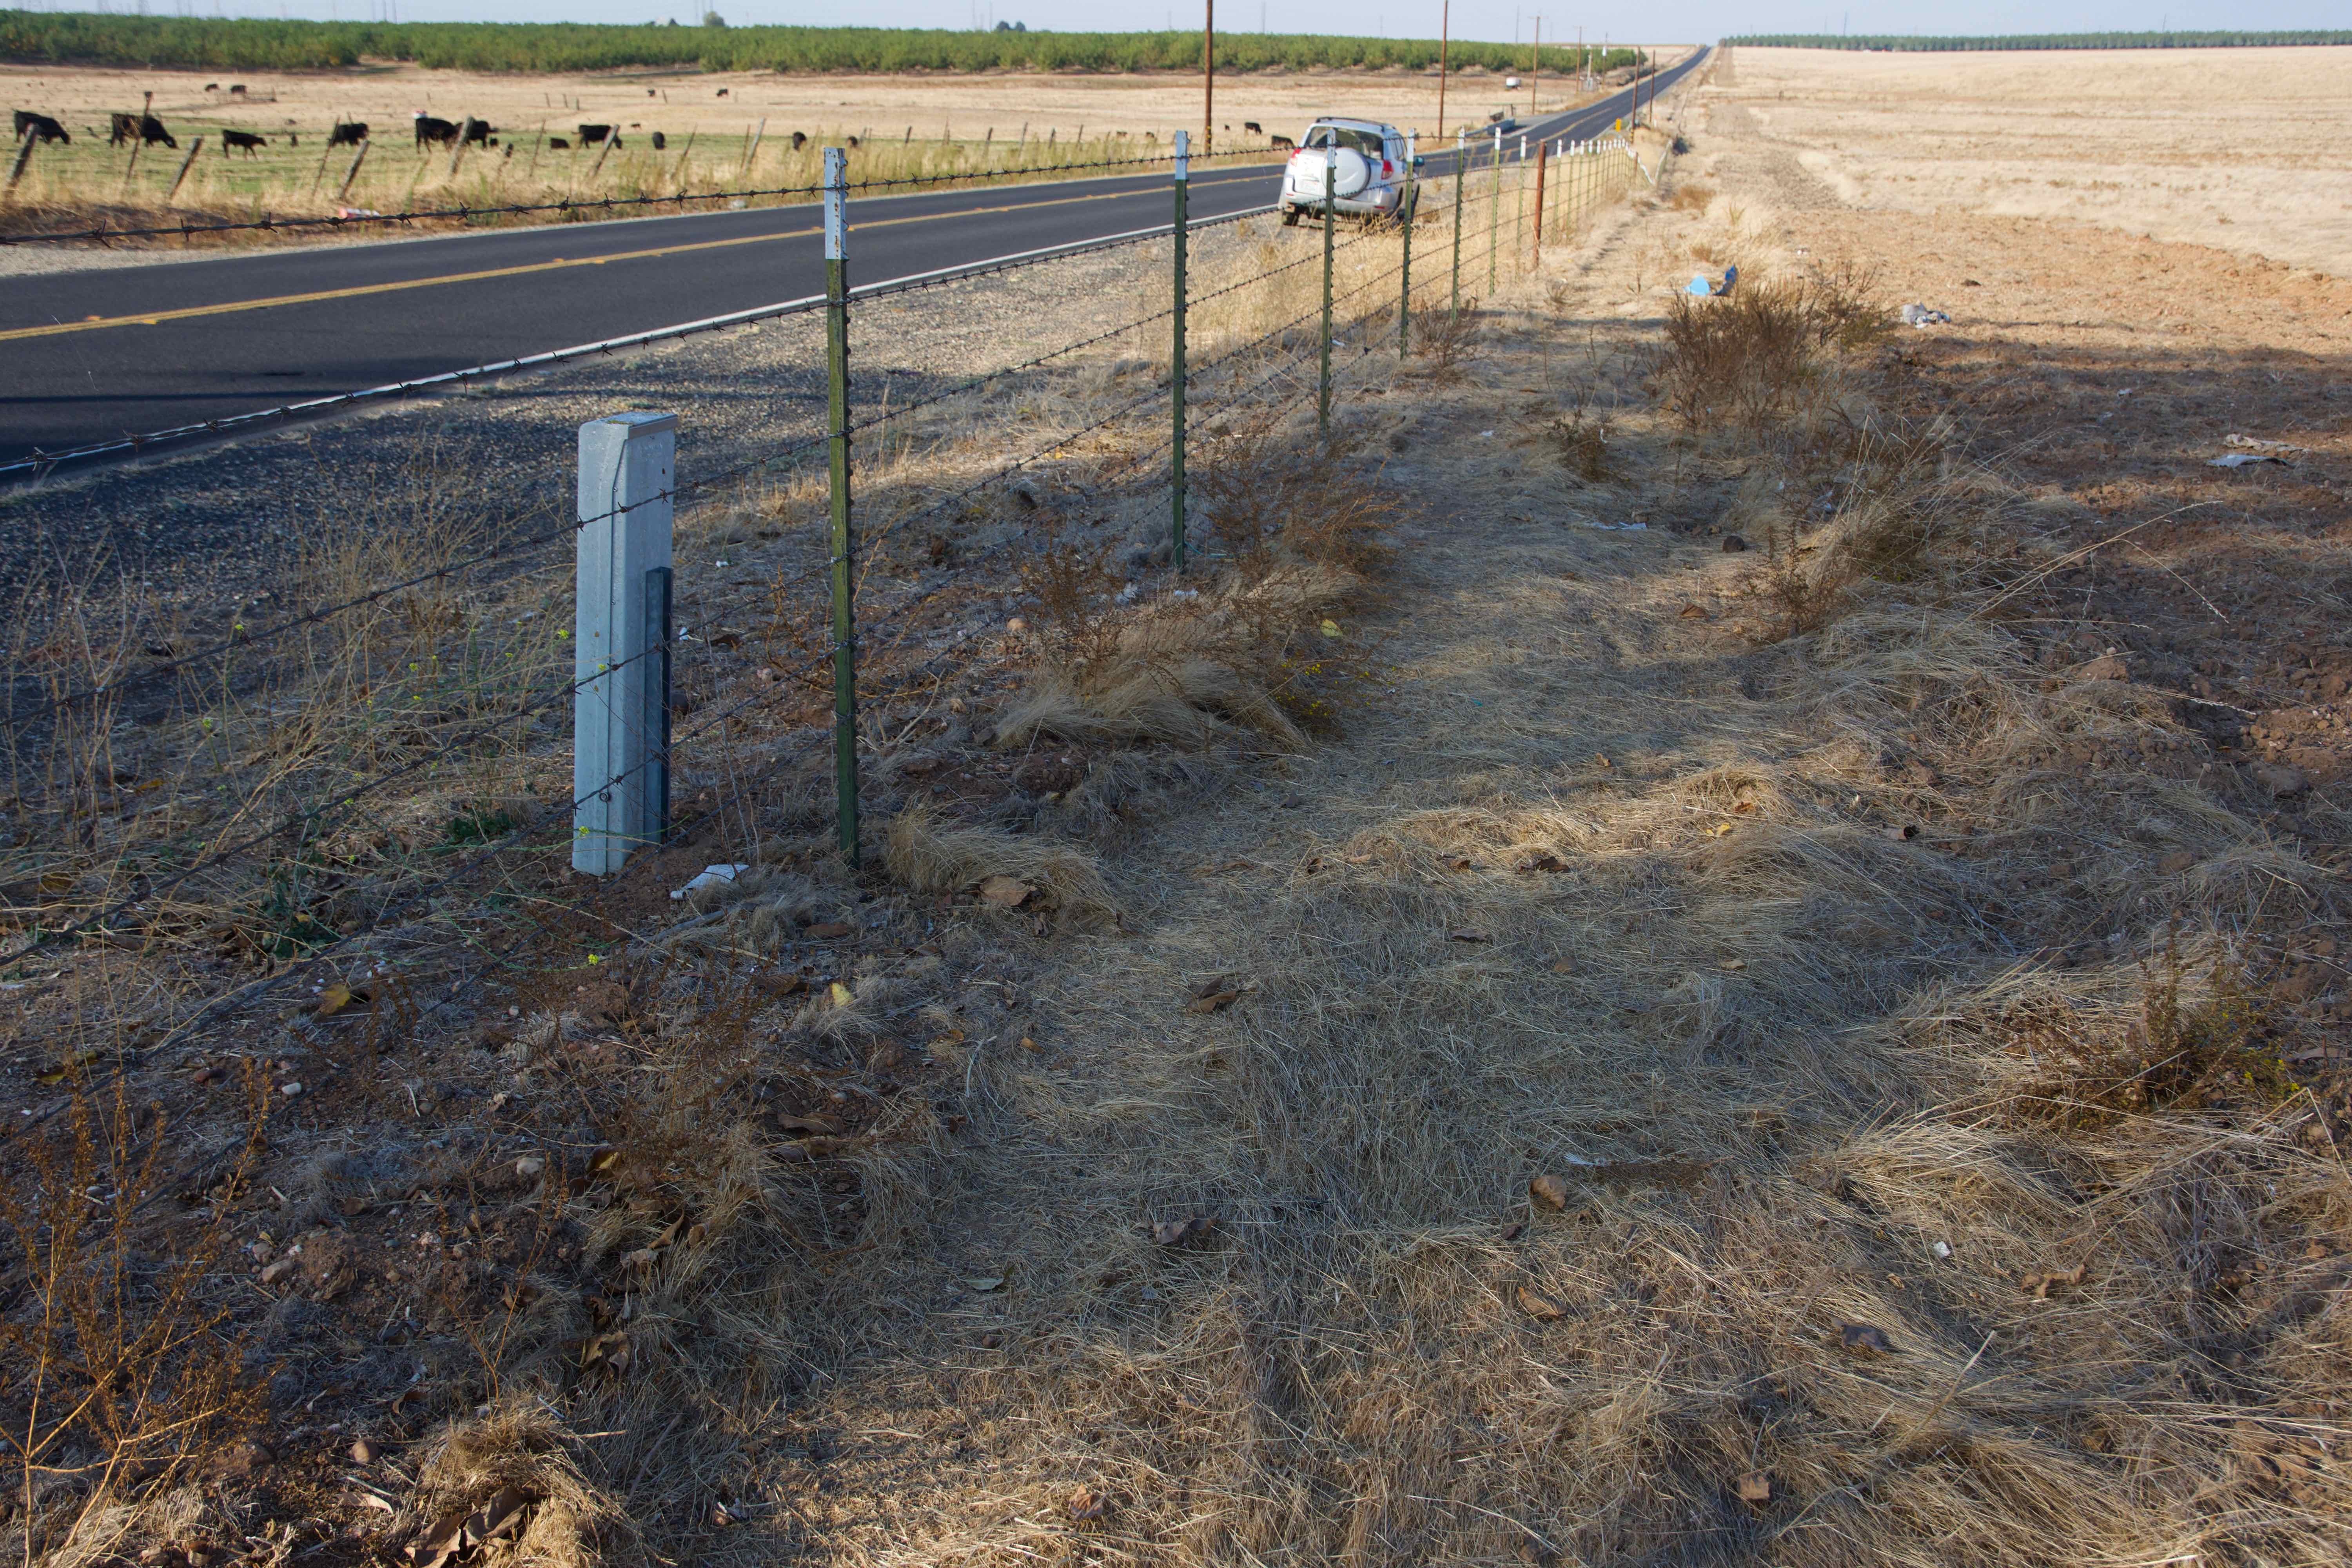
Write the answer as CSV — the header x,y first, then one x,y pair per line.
x,y
559,263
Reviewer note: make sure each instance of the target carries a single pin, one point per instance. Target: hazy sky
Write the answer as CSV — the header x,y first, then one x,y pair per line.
x,y
1695,20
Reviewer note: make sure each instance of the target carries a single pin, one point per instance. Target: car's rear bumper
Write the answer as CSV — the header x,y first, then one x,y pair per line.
x,y
1370,203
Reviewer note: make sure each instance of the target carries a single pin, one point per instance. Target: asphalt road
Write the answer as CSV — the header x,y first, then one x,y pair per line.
x,y
99,355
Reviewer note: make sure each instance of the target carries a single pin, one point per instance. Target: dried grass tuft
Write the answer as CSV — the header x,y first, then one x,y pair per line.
x,y
929,852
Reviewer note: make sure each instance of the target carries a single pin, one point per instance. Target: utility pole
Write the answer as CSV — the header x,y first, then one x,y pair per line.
x,y
1535,70
1209,82
1444,28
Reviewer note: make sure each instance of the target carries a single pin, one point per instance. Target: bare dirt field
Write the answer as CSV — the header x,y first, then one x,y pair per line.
x,y
1720,937
2244,150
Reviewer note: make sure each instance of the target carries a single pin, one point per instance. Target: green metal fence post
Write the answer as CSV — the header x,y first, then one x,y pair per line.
x,y
1176,362
844,621
1405,285
1495,219
1461,174
1323,369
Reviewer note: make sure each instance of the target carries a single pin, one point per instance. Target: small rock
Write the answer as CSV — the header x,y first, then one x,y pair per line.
x,y
366,1451
1864,1339
273,1273
1548,1192
2106,667
290,1090
1733,544
528,1166
2280,779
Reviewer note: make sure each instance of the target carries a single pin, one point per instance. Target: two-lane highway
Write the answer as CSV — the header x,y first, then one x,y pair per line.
x,y
97,355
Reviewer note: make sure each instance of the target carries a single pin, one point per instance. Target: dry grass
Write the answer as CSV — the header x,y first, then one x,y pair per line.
x,y
1654,1090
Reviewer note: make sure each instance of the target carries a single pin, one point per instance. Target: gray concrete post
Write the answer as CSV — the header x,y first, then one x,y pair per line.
x,y
620,714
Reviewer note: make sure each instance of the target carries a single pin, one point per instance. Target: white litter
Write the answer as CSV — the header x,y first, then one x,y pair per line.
x,y
2256,443
2242,459
1620,527
1920,316
711,877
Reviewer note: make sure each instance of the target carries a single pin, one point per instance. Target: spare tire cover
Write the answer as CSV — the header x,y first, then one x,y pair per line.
x,y
1353,173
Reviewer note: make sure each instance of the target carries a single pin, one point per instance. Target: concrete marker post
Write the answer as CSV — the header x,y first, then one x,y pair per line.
x,y
620,709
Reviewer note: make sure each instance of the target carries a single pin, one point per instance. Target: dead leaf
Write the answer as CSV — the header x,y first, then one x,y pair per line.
x,y
441,1541
1212,1003
800,1151
1755,1487
1215,984
830,930
457,1534
338,996
1545,861
65,1068
1564,966
1029,1044
779,985
1548,1192
839,995
1005,893
1693,613
808,1125
1469,936
1541,1307
2039,1286
606,1352
1086,1503
1718,830
1864,1339
986,1283
1183,1232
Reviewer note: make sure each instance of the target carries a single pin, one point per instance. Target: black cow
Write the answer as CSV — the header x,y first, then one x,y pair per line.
x,y
722,92
141,128
1253,127
477,132
1282,144
243,142
557,144
40,127
348,134
799,139
211,87
660,141
236,89
591,135
435,133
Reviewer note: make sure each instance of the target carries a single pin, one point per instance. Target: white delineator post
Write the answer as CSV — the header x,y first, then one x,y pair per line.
x,y
620,714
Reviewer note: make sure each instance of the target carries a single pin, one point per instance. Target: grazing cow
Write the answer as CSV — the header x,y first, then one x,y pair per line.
x,y
591,135
853,141
1253,127
1282,144
348,134
243,142
649,92
557,144
141,128
40,127
475,131
211,87
722,92
236,89
435,133
799,139
660,141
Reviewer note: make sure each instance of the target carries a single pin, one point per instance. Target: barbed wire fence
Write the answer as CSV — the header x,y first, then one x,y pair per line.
x,y
636,641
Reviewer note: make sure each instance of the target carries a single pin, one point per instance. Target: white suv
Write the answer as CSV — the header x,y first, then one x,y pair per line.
x,y
1368,177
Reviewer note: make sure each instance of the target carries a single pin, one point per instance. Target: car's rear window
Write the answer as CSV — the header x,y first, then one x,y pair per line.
x,y
1368,143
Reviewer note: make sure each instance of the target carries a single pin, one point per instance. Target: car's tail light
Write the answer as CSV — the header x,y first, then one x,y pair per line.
x,y
1387,170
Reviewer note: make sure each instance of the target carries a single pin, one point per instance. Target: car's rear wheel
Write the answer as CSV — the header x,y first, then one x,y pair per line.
x,y
1290,217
